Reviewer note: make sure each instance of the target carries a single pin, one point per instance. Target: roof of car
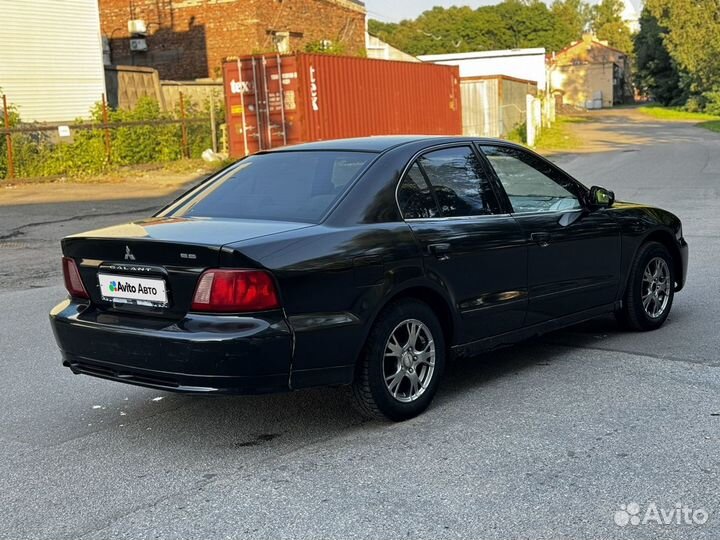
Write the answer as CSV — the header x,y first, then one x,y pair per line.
x,y
372,144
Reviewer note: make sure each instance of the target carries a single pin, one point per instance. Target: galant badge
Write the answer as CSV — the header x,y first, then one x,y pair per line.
x,y
128,254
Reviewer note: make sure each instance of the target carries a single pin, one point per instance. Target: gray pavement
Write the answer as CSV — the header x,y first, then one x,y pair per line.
x,y
544,440
30,235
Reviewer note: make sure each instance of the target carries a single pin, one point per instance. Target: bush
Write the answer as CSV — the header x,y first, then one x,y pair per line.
x,y
694,104
518,134
38,154
144,144
712,102
325,47
14,121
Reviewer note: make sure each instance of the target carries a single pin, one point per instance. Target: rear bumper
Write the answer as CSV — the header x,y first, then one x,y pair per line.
x,y
201,354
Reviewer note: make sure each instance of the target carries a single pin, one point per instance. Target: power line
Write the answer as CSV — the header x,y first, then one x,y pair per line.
x,y
380,15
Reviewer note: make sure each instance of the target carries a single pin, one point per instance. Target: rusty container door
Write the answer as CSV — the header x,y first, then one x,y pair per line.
x,y
262,103
273,101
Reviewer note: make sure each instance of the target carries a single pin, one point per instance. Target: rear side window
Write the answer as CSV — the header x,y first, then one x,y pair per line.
x,y
414,196
447,183
283,186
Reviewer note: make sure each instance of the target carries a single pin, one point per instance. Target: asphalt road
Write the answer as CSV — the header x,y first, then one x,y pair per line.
x,y
544,440
36,229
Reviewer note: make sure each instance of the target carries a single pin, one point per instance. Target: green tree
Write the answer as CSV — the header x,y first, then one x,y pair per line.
x,y
381,29
455,29
510,24
493,31
608,25
693,40
572,18
657,73
531,24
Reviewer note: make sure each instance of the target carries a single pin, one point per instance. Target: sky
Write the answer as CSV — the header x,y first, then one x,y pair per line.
x,y
396,10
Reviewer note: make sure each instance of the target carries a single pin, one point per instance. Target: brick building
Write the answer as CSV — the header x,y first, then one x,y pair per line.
x,y
188,39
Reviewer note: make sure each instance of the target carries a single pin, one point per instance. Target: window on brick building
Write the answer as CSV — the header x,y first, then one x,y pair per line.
x,y
282,42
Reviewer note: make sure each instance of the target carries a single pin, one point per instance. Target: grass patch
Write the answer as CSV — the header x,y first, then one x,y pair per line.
x,y
559,137
677,114
712,125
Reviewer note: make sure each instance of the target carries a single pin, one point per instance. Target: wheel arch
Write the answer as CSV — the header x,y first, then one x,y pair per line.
x,y
666,239
436,301
440,304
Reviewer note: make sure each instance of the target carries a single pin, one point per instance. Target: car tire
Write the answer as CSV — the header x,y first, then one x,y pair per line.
x,y
401,364
650,289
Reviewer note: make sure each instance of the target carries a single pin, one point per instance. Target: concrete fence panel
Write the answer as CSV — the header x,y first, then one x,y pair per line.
x,y
197,93
127,84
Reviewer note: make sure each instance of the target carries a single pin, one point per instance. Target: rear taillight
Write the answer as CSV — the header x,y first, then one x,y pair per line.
x,y
235,291
73,283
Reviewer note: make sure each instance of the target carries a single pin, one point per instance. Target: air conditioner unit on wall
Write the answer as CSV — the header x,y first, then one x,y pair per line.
x,y
138,45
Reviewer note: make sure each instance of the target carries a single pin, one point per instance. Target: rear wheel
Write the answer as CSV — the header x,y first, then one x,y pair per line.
x,y
651,289
402,363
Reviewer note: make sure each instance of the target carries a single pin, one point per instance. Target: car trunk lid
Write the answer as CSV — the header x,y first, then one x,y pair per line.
x,y
174,250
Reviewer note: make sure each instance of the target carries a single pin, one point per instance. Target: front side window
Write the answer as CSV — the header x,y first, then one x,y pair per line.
x,y
531,185
284,186
455,181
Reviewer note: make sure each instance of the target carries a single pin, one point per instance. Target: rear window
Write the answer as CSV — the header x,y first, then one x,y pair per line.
x,y
284,186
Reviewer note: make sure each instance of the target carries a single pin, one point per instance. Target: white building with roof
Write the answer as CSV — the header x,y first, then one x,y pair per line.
x,y
526,64
380,50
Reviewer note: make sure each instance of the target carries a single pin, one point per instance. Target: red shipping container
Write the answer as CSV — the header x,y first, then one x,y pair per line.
x,y
277,100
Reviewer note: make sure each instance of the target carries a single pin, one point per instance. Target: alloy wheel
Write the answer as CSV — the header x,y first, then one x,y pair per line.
x,y
409,360
656,287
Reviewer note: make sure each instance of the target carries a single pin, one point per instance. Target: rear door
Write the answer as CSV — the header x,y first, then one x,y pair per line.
x,y
470,245
574,252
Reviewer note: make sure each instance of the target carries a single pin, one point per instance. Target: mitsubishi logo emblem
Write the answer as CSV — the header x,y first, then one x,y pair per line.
x,y
128,254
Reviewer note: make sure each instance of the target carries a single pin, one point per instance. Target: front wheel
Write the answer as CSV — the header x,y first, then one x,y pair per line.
x,y
402,362
651,289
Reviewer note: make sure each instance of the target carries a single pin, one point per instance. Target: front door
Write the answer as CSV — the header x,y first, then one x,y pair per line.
x,y
471,248
573,251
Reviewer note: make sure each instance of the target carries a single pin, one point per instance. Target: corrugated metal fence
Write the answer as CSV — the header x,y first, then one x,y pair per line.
x,y
493,106
51,58
481,110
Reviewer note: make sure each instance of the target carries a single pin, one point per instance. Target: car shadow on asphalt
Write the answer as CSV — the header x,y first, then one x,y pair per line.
x,y
245,422
466,374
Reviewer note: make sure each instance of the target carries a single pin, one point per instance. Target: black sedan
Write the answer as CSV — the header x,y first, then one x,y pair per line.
x,y
362,262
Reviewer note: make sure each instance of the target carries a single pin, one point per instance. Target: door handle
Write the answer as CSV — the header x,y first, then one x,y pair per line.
x,y
541,238
441,251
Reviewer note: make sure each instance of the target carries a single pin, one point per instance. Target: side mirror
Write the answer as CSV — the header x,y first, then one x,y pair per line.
x,y
601,197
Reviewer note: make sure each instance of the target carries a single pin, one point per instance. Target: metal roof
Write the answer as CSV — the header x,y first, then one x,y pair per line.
x,y
482,54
